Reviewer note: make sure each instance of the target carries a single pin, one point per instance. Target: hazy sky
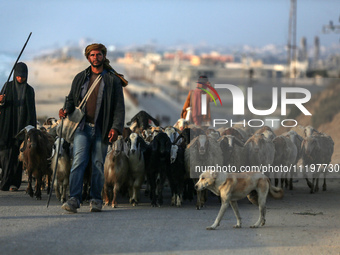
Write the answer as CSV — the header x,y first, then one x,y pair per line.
x,y
212,22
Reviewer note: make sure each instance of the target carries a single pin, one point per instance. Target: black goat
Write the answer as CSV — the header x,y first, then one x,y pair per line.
x,y
188,186
176,174
142,121
158,162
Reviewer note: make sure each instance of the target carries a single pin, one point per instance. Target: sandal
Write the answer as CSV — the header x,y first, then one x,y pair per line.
x,y
13,188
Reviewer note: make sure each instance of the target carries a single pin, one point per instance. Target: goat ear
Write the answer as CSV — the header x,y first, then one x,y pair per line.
x,y
239,142
126,149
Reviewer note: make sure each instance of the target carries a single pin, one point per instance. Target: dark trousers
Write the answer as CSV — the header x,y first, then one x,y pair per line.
x,y
11,168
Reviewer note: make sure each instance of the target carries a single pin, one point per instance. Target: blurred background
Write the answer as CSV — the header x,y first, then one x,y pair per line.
x,y
162,47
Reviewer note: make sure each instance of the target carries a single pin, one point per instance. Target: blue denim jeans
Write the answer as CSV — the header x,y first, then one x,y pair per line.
x,y
87,142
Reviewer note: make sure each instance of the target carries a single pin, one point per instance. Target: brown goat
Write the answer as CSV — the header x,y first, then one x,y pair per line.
x,y
116,172
35,151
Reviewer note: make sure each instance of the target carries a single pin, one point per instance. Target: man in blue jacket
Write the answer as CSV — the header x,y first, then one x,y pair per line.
x,y
103,122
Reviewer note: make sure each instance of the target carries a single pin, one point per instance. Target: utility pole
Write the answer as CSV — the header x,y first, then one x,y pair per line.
x,y
316,52
331,28
291,45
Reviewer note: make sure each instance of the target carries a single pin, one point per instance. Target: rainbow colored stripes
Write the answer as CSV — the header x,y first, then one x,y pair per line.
x,y
213,90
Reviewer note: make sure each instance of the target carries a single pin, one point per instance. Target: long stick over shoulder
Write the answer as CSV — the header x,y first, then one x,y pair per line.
x,y
9,77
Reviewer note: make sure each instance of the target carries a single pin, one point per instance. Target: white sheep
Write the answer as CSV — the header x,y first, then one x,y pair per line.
x,y
317,149
261,151
234,152
285,155
297,140
309,131
267,132
61,182
201,154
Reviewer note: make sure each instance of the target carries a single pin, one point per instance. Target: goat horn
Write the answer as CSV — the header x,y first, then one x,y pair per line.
x,y
22,131
53,152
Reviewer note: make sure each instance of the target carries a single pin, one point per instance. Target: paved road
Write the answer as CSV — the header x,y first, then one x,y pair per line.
x,y
301,223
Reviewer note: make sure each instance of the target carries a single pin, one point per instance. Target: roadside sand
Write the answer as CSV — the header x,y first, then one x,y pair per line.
x,y
52,81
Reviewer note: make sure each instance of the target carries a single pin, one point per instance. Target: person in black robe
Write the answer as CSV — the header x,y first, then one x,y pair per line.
x,y
17,110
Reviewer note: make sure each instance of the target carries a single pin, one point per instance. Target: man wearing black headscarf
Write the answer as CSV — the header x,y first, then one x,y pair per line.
x,y
17,110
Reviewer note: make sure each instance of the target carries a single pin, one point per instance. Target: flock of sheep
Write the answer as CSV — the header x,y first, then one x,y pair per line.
x,y
149,154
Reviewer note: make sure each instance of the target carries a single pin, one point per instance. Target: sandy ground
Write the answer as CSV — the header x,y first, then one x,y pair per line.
x,y
52,81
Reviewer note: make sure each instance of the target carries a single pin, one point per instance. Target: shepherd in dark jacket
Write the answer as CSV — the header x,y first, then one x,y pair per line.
x,y
103,122
17,110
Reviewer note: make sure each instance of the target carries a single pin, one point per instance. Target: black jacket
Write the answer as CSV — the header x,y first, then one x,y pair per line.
x,y
10,124
112,111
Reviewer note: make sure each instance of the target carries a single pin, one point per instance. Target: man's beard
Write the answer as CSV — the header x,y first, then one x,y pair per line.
x,y
98,63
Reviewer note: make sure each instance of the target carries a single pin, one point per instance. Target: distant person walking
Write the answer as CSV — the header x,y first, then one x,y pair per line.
x,y
193,105
104,121
17,110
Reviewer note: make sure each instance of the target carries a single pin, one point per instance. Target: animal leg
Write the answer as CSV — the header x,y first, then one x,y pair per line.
x,y
237,214
310,185
262,209
29,189
115,190
188,189
324,186
160,187
152,182
178,200
136,190
173,199
107,196
48,183
38,188
316,187
223,208
64,191
57,188
290,183
198,202
130,189
201,198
